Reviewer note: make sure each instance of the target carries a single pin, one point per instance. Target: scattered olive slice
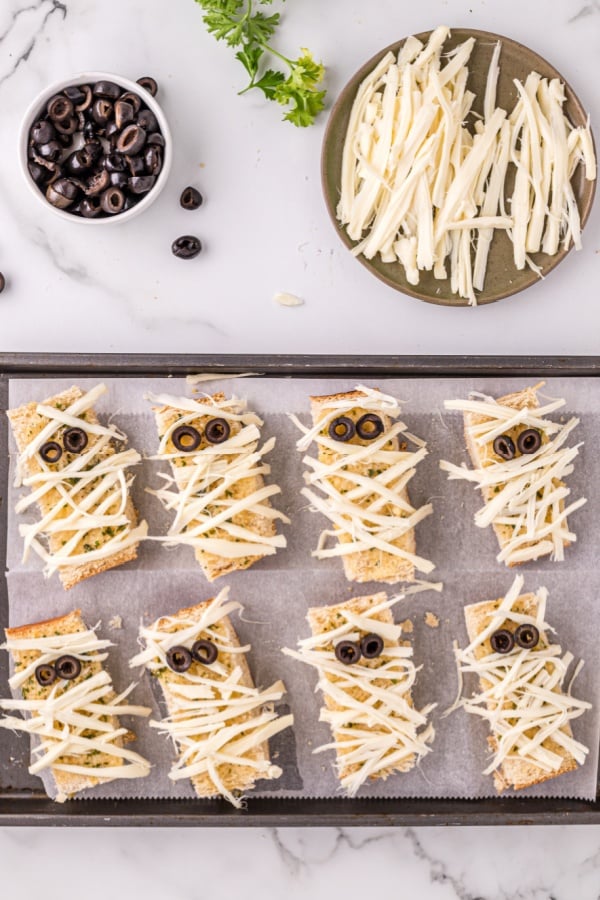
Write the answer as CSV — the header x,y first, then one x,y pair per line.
x,y
75,440
131,140
371,646
45,674
190,198
51,451
347,652
59,108
529,441
504,446
179,659
2,282
527,636
112,200
369,427
342,429
216,431
502,641
149,84
204,652
186,438
67,667
186,247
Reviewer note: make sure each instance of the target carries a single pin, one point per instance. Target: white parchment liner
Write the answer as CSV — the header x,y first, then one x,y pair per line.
x,y
277,592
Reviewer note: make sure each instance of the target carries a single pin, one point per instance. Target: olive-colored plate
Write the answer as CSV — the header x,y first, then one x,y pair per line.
x,y
502,278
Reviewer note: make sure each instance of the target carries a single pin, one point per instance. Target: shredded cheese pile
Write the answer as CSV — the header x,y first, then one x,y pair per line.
x,y
85,495
418,187
528,491
522,699
214,721
201,491
77,717
363,512
375,724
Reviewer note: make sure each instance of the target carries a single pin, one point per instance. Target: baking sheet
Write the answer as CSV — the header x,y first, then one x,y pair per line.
x,y
277,592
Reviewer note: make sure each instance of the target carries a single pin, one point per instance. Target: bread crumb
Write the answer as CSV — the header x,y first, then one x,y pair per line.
x,y
285,299
115,623
61,798
431,620
406,626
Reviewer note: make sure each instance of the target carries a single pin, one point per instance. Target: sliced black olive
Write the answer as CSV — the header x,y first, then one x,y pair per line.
x,y
216,431
90,208
136,164
62,193
119,180
369,427
124,113
65,140
502,641
66,127
186,438
153,160
89,131
43,131
527,636
113,199
50,151
204,652
2,282
179,659
94,149
45,674
190,198
134,99
149,84
186,247
141,184
114,162
371,646
147,120
156,139
86,100
39,173
529,441
98,183
51,451
504,446
75,93
111,133
107,90
67,667
102,111
75,440
59,108
131,140
342,429
79,162
348,652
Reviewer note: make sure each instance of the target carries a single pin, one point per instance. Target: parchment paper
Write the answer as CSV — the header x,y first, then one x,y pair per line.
x,y
277,592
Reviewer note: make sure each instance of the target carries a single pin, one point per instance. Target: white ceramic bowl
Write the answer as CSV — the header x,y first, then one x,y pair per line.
x,y
38,106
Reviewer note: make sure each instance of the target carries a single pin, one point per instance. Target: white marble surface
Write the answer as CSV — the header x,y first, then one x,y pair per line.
x,y
266,230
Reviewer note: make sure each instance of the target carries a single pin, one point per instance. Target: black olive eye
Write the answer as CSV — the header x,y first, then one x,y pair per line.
x,y
75,440
217,431
204,652
504,446
527,636
51,452
529,440
369,427
347,652
45,674
342,429
179,659
186,438
67,667
371,646
502,641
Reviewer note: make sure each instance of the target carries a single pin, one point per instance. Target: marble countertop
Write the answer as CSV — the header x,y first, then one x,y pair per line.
x,y
265,229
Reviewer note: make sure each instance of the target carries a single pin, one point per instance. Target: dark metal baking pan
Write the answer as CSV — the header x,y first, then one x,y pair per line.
x,y
30,806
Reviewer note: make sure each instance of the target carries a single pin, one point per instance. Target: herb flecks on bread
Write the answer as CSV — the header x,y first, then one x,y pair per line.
x,y
520,459
359,482
368,704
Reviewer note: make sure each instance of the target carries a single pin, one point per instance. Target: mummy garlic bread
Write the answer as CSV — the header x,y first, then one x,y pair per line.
x,y
519,461
218,720
70,706
521,678
366,673
359,482
78,472
216,487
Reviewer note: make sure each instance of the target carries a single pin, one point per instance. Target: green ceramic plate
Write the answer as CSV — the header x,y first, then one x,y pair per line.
x,y
502,279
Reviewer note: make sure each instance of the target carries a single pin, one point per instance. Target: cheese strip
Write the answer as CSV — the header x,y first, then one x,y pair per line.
x,y
360,485
376,728
74,723
521,692
525,497
217,491
218,720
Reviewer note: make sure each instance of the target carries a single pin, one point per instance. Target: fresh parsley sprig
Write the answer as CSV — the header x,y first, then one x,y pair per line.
x,y
240,24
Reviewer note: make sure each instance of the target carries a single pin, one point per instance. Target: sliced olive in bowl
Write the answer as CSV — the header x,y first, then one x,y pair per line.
x,y
45,674
112,200
90,207
62,193
131,140
205,652
179,659
75,440
51,451
67,667
371,646
217,430
369,427
527,636
42,132
59,108
529,441
141,184
347,652
502,641
107,90
186,438
504,446
342,428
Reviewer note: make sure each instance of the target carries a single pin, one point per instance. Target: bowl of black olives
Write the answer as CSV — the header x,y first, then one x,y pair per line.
x,y
96,148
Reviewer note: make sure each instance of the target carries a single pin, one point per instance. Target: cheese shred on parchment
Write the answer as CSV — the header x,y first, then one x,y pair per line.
x,y
420,188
